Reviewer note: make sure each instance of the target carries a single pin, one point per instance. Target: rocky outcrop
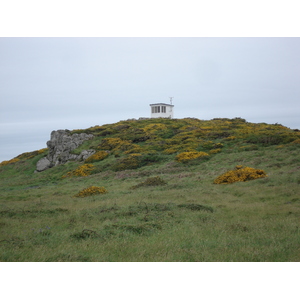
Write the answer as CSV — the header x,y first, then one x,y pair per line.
x,y
60,146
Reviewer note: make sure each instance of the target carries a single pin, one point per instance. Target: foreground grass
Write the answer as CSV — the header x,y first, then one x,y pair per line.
x,y
188,219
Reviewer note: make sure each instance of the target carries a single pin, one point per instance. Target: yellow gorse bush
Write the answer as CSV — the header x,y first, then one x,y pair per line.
x,y
26,155
42,150
7,162
92,190
117,146
215,151
110,143
187,156
84,170
100,155
230,138
296,141
240,173
154,128
134,149
131,161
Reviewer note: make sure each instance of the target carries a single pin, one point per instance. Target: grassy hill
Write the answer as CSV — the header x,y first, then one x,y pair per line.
x,y
150,193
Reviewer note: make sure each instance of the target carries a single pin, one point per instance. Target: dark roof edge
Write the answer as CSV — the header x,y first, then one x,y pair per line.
x,y
161,104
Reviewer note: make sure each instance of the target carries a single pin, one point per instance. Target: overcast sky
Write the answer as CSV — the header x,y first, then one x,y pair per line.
x,y
74,83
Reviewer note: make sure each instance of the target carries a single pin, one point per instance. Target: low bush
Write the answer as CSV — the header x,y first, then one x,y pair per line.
x,y
297,141
26,155
215,151
151,158
151,181
137,160
266,139
134,149
240,173
92,190
248,148
187,156
98,156
7,162
83,170
132,161
208,145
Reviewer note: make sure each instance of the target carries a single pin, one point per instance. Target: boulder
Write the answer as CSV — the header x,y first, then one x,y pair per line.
x,y
43,164
60,146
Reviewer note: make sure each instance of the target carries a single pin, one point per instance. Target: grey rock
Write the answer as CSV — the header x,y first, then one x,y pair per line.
x,y
60,146
86,154
43,164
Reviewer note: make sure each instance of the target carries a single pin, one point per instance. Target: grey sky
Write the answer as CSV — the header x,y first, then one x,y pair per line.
x,y
69,83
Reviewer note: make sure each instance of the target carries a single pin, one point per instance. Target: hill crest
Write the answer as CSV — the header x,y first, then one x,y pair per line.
x,y
159,136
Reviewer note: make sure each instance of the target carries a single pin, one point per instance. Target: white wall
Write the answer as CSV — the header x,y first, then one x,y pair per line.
x,y
167,114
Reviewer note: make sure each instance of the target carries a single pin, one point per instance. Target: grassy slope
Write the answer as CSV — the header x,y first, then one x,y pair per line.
x,y
251,221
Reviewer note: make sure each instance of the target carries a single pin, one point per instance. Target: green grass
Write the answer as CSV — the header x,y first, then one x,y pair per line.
x,y
187,219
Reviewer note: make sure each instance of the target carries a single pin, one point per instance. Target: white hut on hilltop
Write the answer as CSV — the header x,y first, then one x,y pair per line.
x,y
161,110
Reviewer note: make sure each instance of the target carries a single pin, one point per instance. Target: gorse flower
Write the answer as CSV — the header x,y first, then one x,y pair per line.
x,y
117,146
83,170
296,141
215,151
187,156
135,149
7,162
92,190
240,173
132,161
100,155
25,155
155,127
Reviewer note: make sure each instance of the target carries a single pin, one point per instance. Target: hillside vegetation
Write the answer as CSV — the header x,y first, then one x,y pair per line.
x,y
158,190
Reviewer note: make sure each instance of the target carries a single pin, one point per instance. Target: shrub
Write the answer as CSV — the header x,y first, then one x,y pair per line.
x,y
92,190
83,170
215,151
230,138
151,181
267,139
134,149
210,145
100,155
151,158
110,143
187,156
136,160
240,173
118,146
7,162
132,161
296,141
26,155
170,150
155,128
248,148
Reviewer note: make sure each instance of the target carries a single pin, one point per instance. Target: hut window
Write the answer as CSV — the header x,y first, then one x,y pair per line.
x,y
155,109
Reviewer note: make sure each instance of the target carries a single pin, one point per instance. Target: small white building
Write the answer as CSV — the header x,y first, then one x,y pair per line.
x,y
161,110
